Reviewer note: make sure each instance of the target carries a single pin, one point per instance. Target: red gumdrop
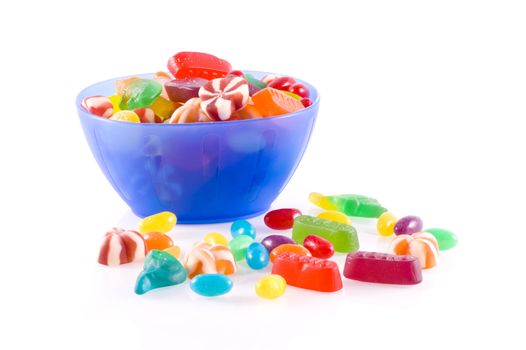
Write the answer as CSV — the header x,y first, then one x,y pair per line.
x,y
282,83
197,65
300,90
319,247
281,219
306,102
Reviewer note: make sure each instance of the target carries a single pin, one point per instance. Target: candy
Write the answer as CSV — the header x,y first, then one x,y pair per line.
x,y
239,246
445,239
147,115
121,246
321,201
343,237
181,90
215,238
162,78
421,245
222,97
98,105
157,240
306,102
282,83
236,73
122,83
296,97
248,112
336,216
242,227
140,93
211,285
206,258
386,223
163,108
115,101
197,65
190,112
271,102
267,79
408,225
271,286
288,248
281,219
382,268
273,241
300,90
308,272
349,204
318,247
160,222
161,269
126,116
175,251
254,85
257,256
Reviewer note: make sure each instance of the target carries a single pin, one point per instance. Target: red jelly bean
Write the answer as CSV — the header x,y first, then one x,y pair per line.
x,y
281,219
308,272
382,268
197,65
319,247
282,83
306,102
300,90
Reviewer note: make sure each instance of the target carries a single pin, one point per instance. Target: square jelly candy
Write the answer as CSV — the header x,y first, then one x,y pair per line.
x,y
342,236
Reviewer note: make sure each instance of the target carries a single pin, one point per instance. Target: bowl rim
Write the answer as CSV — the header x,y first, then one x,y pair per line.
x,y
85,113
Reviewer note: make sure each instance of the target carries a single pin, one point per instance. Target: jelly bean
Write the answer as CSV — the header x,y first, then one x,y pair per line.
x,y
181,90
267,79
157,240
288,248
281,219
386,223
271,102
308,272
115,101
175,251
215,238
318,247
98,105
445,239
299,89
140,93
282,83
190,112
239,246
334,215
321,201
382,268
273,241
306,102
242,227
271,286
126,116
146,115
257,256
421,245
160,222
408,225
343,237
349,204
163,108
206,258
121,246
198,65
222,97
211,285
161,269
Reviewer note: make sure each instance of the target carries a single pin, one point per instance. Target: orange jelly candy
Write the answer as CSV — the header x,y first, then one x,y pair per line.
x,y
248,112
157,240
288,248
270,102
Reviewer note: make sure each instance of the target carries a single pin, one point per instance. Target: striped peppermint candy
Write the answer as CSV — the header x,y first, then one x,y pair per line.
x,y
98,105
147,115
222,97
121,246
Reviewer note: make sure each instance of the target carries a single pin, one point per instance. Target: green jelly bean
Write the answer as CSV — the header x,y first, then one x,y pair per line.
x,y
356,205
446,239
342,236
140,93
161,269
239,246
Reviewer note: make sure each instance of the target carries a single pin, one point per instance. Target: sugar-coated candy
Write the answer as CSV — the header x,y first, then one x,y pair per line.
x,y
211,285
306,102
349,204
288,248
157,240
343,237
163,108
206,258
319,247
215,238
126,116
197,65
308,272
408,225
239,246
190,112
181,90
140,93
222,97
161,269
300,90
98,105
175,251
282,83
281,219
257,256
242,227
445,239
273,241
147,115
121,246
382,268
271,102
421,245
386,223
271,286
160,222
334,215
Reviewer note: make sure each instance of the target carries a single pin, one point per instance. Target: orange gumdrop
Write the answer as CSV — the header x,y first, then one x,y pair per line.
x,y
288,248
248,112
270,102
157,240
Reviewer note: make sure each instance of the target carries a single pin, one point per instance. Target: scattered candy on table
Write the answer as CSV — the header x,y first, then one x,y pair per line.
x,y
211,285
239,246
257,256
408,225
343,237
421,245
288,248
121,246
319,247
281,219
386,223
242,227
349,204
445,239
273,241
271,286
157,240
161,269
161,222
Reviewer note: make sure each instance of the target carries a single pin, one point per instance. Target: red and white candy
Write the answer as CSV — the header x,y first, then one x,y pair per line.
x,y
222,97
98,105
121,246
147,115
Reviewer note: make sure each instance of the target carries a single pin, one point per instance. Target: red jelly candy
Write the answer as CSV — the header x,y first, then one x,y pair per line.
x,y
319,247
281,219
382,268
282,83
308,272
197,65
306,102
300,90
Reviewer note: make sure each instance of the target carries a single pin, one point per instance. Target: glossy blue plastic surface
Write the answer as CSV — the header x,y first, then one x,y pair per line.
x,y
203,172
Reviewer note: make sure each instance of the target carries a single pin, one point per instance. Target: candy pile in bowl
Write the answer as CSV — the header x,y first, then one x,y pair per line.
x,y
199,88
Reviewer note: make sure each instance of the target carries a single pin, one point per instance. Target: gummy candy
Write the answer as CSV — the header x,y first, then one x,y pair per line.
x,y
321,201
98,105
126,116
206,258
382,268
211,285
334,215
300,90
343,237
222,97
306,102
282,83
247,112
160,222
162,78
257,256
319,247
121,246
271,102
281,219
181,90
308,272
197,65
157,240
273,241
239,246
147,115
349,204
242,227
267,79
271,286
115,101
190,112
215,238
421,245
140,93
163,108
254,85
445,239
386,223
408,225
122,83
161,269
175,251
288,248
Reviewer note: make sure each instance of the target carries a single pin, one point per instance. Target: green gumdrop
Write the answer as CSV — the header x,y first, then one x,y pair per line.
x,y
140,93
161,269
357,205
342,236
239,246
258,83
446,239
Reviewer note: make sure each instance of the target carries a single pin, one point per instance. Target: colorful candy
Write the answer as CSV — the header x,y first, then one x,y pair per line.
x,y
211,285
273,241
206,258
386,223
198,65
336,216
215,238
254,85
281,219
343,237
349,204
147,115
271,286
319,247
175,251
181,90
121,246
164,108
157,240
190,112
242,227
98,105
288,248
161,222
421,245
306,102
271,102
445,239
239,246
161,269
282,83
126,116
257,256
222,97
140,93
408,225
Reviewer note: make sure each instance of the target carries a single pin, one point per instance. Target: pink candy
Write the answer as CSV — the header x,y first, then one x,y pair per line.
x,y
147,115
121,246
98,105
222,97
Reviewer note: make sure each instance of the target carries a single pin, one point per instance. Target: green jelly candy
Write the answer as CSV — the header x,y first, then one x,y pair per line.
x,y
342,236
357,205
161,269
140,93
258,83
446,239
239,246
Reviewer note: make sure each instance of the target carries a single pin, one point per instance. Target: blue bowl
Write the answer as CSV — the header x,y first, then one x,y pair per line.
x,y
203,172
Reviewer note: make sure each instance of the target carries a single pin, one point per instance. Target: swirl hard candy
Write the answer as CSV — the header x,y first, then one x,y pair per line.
x,y
222,97
147,115
121,246
190,112
206,258
421,245
98,105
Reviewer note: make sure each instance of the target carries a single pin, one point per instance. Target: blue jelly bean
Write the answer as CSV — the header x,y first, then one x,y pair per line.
x,y
211,285
257,256
242,227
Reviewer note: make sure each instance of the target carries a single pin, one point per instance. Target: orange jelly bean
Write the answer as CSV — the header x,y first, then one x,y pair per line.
x,y
157,240
288,248
270,102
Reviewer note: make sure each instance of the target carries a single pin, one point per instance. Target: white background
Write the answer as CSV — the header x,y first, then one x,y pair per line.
x,y
423,107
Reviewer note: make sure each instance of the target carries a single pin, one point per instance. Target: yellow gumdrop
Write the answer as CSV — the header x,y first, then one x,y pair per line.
x,y
215,238
321,201
163,107
386,223
271,286
335,215
175,251
115,101
126,116
160,222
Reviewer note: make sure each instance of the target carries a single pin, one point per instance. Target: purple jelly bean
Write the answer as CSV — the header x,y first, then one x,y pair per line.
x,y
408,225
181,90
272,241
